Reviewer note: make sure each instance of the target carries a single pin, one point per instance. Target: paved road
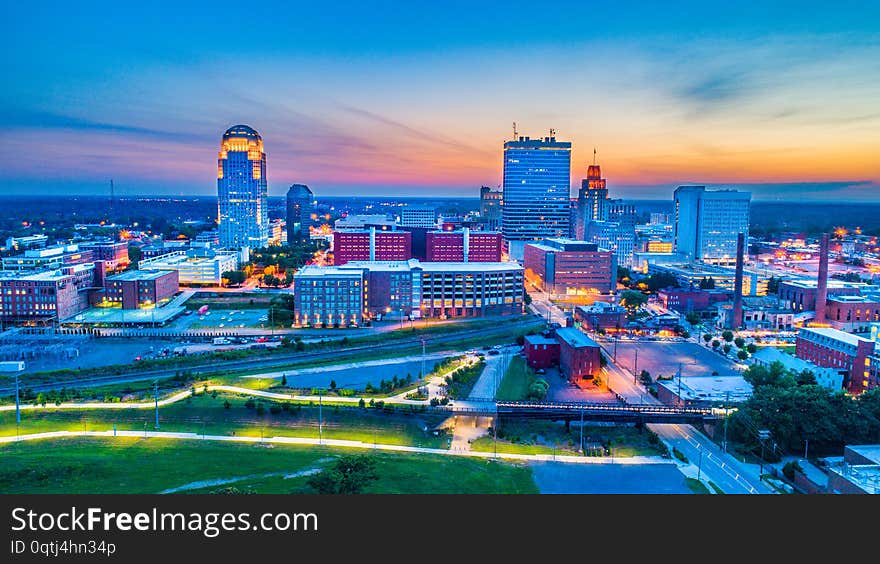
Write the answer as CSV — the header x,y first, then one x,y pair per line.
x,y
493,373
721,468
278,361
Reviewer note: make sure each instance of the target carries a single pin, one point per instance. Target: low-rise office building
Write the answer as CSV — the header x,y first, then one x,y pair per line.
x,y
196,266
579,355
137,289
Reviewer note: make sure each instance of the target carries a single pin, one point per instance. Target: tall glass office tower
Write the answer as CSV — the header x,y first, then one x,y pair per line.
x,y
241,189
537,176
300,206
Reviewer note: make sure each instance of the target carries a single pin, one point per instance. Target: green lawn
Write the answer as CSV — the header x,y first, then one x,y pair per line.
x,y
696,486
206,414
92,465
515,385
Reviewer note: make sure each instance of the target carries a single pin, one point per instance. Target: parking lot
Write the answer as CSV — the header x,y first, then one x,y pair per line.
x,y
223,319
665,357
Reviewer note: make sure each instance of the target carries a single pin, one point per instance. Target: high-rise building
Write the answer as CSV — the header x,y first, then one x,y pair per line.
x,y
537,177
491,202
300,206
592,200
242,197
707,223
418,216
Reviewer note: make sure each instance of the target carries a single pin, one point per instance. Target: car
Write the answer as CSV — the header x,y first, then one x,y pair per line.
x,y
540,371
494,352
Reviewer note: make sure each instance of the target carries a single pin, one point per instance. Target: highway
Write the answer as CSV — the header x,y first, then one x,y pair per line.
x,y
275,361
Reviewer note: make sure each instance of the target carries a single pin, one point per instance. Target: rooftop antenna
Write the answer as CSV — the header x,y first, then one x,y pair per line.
x,y
594,155
514,131
552,132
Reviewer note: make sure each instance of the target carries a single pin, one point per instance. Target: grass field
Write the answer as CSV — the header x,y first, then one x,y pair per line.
x,y
86,465
515,385
544,437
204,414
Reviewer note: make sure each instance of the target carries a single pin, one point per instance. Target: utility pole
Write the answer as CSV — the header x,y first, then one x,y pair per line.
x,y
806,448
17,405
700,465
320,417
423,357
679,384
726,403
156,400
582,430
636,364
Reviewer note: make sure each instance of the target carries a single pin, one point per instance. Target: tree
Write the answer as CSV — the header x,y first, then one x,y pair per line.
x,y
773,285
281,311
752,348
707,283
739,342
707,337
633,300
527,298
332,384
234,277
661,280
624,275
284,379
726,348
742,355
716,343
693,317
349,474
727,335
789,469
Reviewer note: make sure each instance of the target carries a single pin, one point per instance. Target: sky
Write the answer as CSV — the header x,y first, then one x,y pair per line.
x,y
410,98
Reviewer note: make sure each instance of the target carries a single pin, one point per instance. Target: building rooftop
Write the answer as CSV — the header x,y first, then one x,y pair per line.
x,y
403,265
853,299
540,340
835,334
871,452
139,275
575,337
712,388
314,270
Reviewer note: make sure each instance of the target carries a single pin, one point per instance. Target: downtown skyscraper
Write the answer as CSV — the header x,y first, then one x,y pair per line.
x,y
242,194
300,206
592,200
537,176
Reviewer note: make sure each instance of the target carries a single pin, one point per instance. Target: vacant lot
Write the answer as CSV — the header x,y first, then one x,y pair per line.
x,y
664,358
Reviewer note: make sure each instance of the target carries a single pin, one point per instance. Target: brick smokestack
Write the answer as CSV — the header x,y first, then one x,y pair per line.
x,y
822,281
737,321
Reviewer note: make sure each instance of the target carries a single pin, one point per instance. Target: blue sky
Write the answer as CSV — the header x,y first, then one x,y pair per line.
x,y
402,98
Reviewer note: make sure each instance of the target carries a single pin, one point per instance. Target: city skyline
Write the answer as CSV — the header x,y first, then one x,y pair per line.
x,y
777,100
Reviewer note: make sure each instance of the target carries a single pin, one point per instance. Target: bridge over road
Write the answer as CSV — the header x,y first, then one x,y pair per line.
x,y
608,412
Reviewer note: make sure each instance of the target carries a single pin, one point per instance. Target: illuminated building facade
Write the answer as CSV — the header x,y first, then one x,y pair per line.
x,y
463,246
537,176
242,197
371,245
592,201
566,266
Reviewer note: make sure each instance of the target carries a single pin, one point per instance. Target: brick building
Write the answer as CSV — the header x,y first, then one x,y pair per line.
x,y
463,246
832,348
371,245
579,355
600,315
540,351
138,289
565,266
685,300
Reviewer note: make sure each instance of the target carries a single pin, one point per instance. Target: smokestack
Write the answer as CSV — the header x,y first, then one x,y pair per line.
x,y
737,321
822,281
